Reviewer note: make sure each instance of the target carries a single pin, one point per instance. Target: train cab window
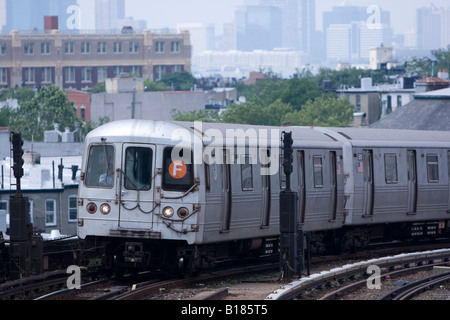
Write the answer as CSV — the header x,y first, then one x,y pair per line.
x,y
246,173
432,168
178,175
100,168
318,172
138,168
390,168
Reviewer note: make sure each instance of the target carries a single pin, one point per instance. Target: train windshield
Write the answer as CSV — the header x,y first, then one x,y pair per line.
x,y
178,176
100,168
138,168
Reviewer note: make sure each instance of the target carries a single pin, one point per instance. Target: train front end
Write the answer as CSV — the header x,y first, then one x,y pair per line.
x,y
138,197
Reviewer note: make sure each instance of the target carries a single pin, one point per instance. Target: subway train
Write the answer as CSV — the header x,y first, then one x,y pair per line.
x,y
183,196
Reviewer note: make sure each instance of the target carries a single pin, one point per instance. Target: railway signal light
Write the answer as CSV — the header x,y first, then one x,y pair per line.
x,y
17,143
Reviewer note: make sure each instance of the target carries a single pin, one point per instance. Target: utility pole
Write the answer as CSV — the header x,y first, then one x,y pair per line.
x,y
291,237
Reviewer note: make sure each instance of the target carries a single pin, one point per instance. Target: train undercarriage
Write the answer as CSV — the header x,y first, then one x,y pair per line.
x,y
133,255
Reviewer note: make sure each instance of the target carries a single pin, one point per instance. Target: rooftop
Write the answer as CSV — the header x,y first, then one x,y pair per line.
x,y
428,111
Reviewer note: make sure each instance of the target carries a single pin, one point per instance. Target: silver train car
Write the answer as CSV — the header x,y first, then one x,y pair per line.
x,y
183,196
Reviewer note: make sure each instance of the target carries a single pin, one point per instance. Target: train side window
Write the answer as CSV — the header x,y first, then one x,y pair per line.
x,y
318,172
432,168
100,167
178,176
390,168
138,168
246,173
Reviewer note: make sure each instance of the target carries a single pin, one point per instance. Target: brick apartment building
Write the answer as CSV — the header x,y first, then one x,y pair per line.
x,y
80,60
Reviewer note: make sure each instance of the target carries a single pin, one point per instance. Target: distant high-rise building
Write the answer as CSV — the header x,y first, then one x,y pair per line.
x,y
351,31
108,13
29,14
258,28
432,28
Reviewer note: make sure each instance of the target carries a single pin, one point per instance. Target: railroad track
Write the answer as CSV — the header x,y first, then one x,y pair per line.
x,y
359,270
410,290
144,291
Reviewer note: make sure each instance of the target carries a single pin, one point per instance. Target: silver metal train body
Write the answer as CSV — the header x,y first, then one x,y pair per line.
x,y
182,195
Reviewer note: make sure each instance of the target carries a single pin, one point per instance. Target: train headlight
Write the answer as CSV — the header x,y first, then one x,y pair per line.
x,y
167,212
105,209
183,213
91,208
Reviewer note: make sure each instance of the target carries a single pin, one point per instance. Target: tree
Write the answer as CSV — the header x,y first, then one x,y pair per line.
x,y
39,114
200,115
443,58
252,113
179,81
299,91
322,111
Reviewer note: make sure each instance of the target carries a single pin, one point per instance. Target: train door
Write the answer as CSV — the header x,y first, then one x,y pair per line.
x,y
301,191
412,181
226,191
137,186
333,186
368,183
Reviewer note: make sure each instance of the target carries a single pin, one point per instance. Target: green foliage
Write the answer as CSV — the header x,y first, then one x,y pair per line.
x,y
179,81
154,86
322,111
39,114
256,114
21,94
200,115
5,114
443,59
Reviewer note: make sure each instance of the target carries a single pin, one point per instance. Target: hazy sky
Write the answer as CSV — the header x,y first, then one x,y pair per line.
x,y
168,13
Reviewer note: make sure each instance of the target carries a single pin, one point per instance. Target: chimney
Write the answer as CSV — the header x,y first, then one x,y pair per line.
x,y
50,23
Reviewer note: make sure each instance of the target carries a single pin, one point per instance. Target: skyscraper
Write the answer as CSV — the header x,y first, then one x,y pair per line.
x,y
432,26
29,14
107,14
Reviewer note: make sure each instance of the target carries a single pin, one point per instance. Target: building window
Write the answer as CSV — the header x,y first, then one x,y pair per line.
x,y
432,168
118,70
159,72
69,74
117,47
358,103
45,48
318,172
69,48
3,75
399,101
46,75
101,47
29,75
175,46
177,68
134,47
3,49
73,208
86,47
390,168
50,212
28,48
102,74
135,71
86,74
159,46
